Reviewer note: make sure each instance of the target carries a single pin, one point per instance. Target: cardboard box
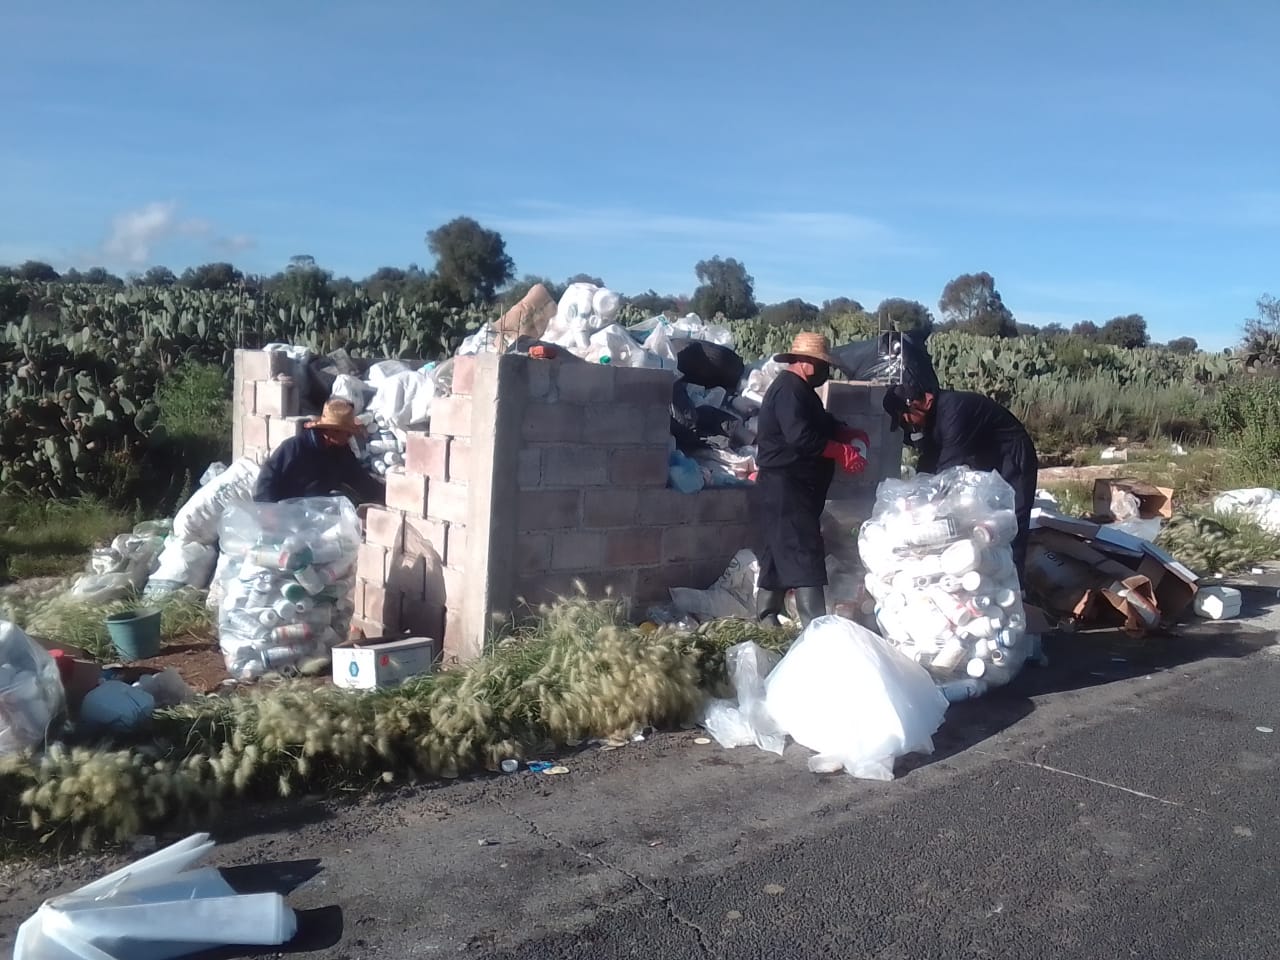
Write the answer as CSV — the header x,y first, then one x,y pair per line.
x,y
1080,582
1153,501
377,665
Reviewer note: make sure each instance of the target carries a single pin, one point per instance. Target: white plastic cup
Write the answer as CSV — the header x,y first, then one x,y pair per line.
x,y
510,766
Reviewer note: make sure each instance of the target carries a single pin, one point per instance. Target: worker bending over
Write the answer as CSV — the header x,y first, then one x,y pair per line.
x,y
799,446
952,428
319,462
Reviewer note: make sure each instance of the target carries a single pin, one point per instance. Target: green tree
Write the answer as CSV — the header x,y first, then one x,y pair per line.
x,y
653,304
36,271
471,262
1053,331
796,311
100,276
1086,330
1184,345
905,316
839,307
516,292
159,277
303,281
726,289
583,278
211,276
972,304
1262,332
1129,332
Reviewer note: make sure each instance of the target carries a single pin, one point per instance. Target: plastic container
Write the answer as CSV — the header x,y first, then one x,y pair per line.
x,y
135,633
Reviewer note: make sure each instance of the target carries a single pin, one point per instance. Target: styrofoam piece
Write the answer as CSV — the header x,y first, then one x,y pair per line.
x,y
1218,603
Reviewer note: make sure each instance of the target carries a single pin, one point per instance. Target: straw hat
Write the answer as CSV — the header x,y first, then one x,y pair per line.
x,y
338,416
808,346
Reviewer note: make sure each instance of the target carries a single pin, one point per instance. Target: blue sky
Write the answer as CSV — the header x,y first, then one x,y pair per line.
x,y
1098,159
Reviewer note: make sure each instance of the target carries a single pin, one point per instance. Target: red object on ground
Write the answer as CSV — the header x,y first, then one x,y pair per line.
x,y
541,352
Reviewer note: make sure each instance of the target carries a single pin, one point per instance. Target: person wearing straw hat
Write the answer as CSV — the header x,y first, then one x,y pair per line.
x,y
954,428
319,462
799,446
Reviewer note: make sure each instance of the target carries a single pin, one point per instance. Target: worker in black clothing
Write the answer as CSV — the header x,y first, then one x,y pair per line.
x,y
952,428
319,462
799,446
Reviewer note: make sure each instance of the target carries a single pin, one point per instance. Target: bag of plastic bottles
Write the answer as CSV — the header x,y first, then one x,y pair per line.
x,y
940,568
286,588
31,696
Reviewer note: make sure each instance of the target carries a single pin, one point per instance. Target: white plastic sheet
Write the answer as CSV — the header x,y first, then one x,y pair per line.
x,y
404,399
745,720
856,700
1259,504
31,694
158,908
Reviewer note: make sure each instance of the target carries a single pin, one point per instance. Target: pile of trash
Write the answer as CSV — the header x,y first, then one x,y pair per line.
x,y
287,585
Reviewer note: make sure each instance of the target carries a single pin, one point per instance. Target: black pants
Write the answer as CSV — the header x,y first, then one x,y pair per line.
x,y
787,516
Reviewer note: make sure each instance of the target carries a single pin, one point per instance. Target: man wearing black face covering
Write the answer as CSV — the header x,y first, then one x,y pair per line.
x,y
952,428
799,445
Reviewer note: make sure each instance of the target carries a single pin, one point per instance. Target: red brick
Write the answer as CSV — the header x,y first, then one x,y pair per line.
x,y
451,417
550,509
636,547
280,429
255,432
371,562
644,387
552,423
574,466
640,466
424,538
459,460
577,550
261,364
456,545
424,618
464,376
585,383
529,469
407,492
384,527
610,507
276,398
407,575
616,424
533,553
382,605
427,456
724,505
692,542
666,507
449,502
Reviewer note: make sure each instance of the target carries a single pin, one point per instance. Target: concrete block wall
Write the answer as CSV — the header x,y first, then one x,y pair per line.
x,y
268,403
861,405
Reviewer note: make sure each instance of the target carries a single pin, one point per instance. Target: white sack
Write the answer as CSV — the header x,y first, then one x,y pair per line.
x,y
197,521
184,563
404,399
846,693
31,694
349,388
1259,504
733,595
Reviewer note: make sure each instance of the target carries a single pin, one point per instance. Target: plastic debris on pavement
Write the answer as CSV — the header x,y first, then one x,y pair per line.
x,y
160,907
745,720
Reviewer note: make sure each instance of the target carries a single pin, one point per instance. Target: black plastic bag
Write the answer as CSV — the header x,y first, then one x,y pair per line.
x,y
708,365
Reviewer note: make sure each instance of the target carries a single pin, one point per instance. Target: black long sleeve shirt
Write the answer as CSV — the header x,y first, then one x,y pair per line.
x,y
306,466
974,431
793,427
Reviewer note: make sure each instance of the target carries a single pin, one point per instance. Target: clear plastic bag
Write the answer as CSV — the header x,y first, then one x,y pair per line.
x,y
852,697
746,720
940,567
890,358
31,696
286,590
155,909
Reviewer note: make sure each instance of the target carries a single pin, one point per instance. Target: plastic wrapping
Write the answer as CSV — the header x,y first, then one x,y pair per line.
x,y
851,696
197,521
31,695
286,590
157,908
349,388
403,398
122,569
745,721
689,327
940,567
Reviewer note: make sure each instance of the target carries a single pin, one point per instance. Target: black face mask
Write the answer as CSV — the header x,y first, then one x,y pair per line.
x,y
821,374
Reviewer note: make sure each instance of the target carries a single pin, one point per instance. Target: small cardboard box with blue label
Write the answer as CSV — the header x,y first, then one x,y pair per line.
x,y
377,665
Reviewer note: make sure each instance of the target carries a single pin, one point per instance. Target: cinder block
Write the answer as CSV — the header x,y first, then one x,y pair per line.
x,y
427,456
248,398
610,507
644,387
548,588
261,364
458,646
371,562
574,466
454,585
657,425
464,376
848,399
382,605
533,553
456,545
423,618
384,527
449,502
666,507
407,574
637,547
577,550
357,597
640,466
407,492
276,398
451,417
255,432
424,538
257,454
542,379
692,542
280,429
459,460
369,629
724,505
617,424
586,383
529,468
553,423
550,509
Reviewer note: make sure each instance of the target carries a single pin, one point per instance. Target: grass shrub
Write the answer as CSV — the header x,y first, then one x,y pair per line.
x,y
41,538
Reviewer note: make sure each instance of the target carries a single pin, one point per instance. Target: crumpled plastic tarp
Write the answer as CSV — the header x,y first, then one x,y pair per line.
x,y
745,720
1259,504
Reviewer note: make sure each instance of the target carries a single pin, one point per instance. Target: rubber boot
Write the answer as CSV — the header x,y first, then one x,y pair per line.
x,y
811,603
769,604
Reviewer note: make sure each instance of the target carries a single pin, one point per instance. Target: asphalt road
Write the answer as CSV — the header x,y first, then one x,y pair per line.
x,y
1120,803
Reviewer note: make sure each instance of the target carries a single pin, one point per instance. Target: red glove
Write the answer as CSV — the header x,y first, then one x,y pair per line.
x,y
846,434
849,459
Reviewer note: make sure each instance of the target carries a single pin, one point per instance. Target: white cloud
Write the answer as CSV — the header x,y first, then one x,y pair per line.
x,y
135,234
